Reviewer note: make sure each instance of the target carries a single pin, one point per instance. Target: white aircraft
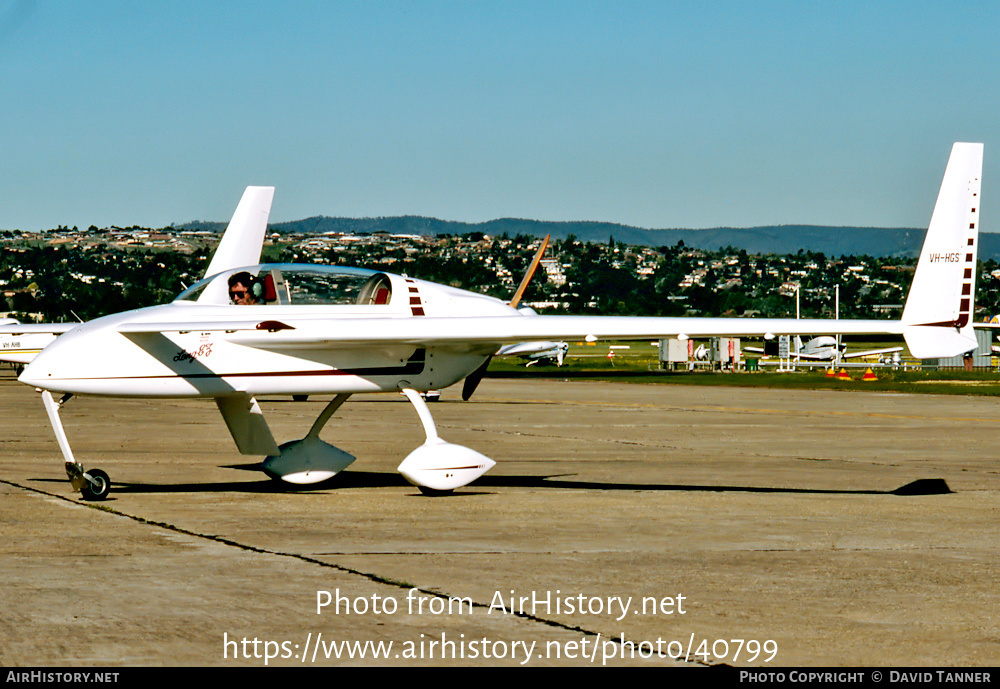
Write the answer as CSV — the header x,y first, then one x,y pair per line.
x,y
537,352
824,348
992,324
28,339
245,232
331,330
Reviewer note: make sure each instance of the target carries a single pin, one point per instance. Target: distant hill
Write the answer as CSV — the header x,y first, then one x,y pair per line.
x,y
775,239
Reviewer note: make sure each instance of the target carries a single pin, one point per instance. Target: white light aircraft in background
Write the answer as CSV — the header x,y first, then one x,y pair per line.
x,y
992,324
339,331
20,345
245,232
537,352
824,348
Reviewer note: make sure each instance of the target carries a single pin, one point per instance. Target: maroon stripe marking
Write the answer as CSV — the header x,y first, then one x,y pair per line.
x,y
942,324
474,466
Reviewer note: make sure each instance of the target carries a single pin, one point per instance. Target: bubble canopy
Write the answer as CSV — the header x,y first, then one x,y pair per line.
x,y
296,284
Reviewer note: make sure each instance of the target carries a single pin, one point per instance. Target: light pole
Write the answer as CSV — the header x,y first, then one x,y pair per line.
x,y
836,316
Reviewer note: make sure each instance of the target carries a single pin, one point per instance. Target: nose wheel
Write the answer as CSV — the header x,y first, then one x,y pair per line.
x,y
97,486
94,484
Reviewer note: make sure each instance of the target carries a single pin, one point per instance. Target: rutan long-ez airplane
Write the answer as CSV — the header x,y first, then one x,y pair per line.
x,y
322,330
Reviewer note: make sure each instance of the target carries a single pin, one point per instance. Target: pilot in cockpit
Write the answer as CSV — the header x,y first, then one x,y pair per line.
x,y
244,289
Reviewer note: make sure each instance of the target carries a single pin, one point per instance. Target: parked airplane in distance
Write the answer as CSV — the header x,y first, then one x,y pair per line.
x,y
20,344
822,348
537,352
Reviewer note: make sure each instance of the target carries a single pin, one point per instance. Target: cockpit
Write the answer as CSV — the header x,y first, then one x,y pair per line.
x,y
298,284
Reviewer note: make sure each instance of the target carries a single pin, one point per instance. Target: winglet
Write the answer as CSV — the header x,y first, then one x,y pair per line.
x,y
243,240
937,319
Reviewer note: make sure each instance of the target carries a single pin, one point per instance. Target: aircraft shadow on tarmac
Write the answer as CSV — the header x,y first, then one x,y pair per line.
x,y
372,479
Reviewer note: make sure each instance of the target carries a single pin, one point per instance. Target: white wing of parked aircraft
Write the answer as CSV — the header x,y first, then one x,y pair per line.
x,y
20,342
339,331
241,245
824,348
536,352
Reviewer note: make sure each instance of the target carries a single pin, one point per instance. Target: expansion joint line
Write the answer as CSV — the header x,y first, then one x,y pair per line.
x,y
313,561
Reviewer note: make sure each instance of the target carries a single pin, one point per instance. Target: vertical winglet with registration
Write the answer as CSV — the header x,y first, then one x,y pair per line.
x,y
937,319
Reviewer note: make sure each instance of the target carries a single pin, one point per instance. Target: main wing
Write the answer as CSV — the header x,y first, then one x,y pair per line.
x,y
500,330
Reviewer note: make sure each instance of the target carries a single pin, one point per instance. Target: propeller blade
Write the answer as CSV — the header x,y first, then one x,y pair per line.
x,y
473,379
516,299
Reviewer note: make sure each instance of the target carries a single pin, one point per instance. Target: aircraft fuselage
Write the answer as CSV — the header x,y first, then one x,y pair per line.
x,y
103,357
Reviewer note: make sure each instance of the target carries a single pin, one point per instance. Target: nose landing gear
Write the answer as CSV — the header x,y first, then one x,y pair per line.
x,y
93,484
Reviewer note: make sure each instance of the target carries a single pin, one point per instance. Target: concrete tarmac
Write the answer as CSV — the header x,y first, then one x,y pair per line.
x,y
735,526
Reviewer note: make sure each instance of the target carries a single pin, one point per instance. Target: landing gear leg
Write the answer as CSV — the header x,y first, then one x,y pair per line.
x,y
93,484
309,460
325,415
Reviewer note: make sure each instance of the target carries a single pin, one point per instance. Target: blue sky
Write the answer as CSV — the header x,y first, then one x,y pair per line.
x,y
658,114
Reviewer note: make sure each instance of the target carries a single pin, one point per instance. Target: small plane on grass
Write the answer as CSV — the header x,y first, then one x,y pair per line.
x,y
537,352
822,348
20,342
317,330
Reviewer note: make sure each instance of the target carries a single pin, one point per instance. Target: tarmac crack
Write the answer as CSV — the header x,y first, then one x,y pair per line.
x,y
370,576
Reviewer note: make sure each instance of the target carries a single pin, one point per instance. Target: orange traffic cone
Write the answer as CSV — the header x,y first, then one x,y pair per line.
x,y
869,375
831,373
843,375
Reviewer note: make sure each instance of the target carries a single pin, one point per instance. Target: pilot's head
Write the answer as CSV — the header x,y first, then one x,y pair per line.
x,y
244,289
